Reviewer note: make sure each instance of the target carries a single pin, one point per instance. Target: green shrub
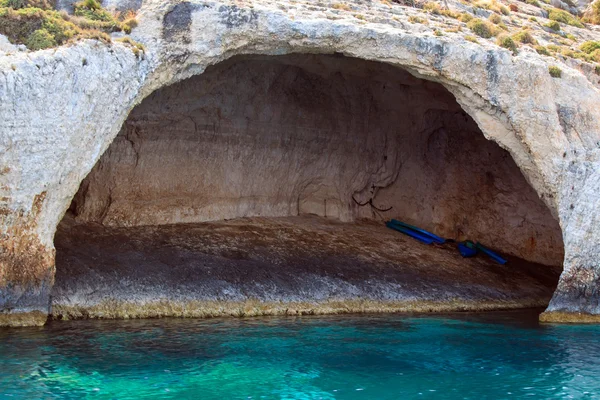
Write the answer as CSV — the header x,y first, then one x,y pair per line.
x,y
589,46
61,29
342,6
450,13
465,17
40,39
495,18
92,9
567,52
542,50
504,10
507,42
97,35
553,47
471,38
18,4
562,16
432,7
597,69
454,29
593,13
18,25
525,37
481,28
555,26
137,48
39,28
105,26
130,23
14,4
533,3
416,20
555,72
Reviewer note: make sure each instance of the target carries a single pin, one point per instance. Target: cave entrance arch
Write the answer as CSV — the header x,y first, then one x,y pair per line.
x,y
340,144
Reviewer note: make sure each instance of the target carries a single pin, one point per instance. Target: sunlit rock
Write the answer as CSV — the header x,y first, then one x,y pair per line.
x,y
60,110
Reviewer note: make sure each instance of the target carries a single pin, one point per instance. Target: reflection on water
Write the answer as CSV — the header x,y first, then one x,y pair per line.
x,y
473,356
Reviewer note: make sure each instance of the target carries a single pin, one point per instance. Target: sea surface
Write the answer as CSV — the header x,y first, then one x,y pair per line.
x,y
453,356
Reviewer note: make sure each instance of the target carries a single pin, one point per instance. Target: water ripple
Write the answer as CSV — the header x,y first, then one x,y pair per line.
x,y
469,356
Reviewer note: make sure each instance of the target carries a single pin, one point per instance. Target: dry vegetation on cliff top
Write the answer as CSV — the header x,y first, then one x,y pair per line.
x,y
554,28
37,25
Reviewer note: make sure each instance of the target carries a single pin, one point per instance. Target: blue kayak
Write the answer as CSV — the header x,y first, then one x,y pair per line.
x,y
423,232
466,251
420,237
491,254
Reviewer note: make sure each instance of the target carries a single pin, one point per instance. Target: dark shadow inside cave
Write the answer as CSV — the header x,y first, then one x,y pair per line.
x,y
268,178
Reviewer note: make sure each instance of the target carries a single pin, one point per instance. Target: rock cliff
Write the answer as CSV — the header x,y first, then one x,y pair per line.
x,y
60,110
314,134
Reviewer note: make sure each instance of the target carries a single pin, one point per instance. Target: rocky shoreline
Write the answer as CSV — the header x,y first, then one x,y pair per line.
x,y
61,109
253,308
277,266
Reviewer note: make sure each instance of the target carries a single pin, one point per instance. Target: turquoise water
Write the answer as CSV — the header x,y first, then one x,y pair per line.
x,y
469,356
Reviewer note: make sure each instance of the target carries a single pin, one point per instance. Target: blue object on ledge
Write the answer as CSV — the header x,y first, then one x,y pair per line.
x,y
432,236
466,251
420,237
493,255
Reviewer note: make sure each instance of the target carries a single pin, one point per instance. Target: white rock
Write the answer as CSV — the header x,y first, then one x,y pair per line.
x,y
61,108
6,46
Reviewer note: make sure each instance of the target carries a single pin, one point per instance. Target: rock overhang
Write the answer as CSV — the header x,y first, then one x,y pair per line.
x,y
550,126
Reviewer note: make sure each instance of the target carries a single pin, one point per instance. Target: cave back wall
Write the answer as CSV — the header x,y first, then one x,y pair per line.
x,y
325,135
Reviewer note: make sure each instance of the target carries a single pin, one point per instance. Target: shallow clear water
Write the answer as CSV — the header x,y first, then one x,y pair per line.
x,y
474,356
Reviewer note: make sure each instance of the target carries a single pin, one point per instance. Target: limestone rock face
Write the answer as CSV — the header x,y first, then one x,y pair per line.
x,y
314,134
6,46
60,109
54,121
272,266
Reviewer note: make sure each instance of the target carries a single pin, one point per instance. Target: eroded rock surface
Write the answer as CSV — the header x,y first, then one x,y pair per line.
x,y
323,135
60,110
267,266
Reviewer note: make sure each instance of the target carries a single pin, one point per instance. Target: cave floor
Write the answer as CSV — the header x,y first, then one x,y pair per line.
x,y
277,266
